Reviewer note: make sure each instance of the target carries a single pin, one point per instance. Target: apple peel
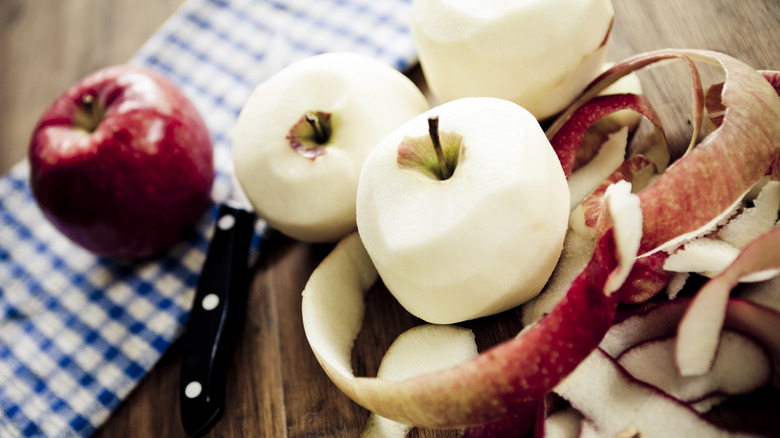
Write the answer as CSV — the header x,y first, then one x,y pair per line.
x,y
741,366
712,254
616,404
516,373
568,138
748,140
609,157
420,350
700,327
756,220
584,218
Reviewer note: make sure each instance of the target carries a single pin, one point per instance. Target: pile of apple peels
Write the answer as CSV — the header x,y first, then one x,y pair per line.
x,y
617,371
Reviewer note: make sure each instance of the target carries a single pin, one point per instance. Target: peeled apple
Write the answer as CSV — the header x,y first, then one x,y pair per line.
x,y
538,54
479,242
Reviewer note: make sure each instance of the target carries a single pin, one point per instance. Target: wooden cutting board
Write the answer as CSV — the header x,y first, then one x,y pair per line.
x,y
276,388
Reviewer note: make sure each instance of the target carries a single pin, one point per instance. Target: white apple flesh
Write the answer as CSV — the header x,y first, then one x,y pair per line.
x,y
301,181
539,54
480,242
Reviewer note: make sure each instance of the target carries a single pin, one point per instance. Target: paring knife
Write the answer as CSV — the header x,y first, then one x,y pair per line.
x,y
217,316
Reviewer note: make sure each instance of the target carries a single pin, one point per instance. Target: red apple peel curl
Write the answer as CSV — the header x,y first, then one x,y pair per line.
x,y
720,169
515,373
615,404
699,331
568,138
660,321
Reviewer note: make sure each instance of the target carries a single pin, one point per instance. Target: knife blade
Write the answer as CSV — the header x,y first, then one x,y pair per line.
x,y
217,315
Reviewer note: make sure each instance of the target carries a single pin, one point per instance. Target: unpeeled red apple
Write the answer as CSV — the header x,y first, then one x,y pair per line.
x,y
480,241
121,162
301,139
539,54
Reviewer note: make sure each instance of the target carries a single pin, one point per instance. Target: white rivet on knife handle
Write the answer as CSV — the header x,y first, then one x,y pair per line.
x,y
226,222
210,302
193,389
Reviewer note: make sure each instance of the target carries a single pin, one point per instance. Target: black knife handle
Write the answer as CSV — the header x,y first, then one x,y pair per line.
x,y
215,320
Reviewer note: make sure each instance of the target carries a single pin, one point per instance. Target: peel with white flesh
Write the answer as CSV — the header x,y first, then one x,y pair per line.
x,y
617,405
698,333
585,217
578,246
756,220
514,373
304,184
577,250
759,320
563,424
469,48
420,350
704,255
583,180
748,139
711,255
568,138
741,366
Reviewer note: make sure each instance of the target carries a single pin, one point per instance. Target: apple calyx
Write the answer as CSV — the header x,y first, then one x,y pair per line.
x,y
311,134
89,114
434,155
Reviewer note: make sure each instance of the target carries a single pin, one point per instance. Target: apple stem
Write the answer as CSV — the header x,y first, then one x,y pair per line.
x,y
320,136
90,115
433,131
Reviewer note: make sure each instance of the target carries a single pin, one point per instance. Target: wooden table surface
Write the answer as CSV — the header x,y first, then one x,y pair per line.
x,y
276,388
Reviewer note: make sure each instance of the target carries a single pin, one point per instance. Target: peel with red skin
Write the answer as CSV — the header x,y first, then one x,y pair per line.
x,y
773,76
635,408
624,68
724,165
569,137
742,366
699,331
592,204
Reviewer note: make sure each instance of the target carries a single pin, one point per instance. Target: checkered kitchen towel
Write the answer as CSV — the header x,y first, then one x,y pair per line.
x,y
77,333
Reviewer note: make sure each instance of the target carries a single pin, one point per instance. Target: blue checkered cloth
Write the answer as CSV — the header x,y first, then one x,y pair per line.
x,y
77,333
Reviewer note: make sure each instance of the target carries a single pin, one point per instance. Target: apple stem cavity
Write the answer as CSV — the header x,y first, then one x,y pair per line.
x,y
434,155
433,130
311,134
90,114
321,135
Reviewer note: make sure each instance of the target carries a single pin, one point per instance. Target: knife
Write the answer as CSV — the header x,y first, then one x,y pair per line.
x,y
217,315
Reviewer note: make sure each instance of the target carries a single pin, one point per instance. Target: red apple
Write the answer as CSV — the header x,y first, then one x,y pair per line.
x,y
121,163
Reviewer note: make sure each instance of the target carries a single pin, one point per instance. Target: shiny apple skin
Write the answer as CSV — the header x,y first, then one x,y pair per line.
x,y
131,187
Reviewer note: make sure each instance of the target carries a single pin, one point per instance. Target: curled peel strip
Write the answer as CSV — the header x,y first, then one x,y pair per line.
x,y
701,188
698,335
724,165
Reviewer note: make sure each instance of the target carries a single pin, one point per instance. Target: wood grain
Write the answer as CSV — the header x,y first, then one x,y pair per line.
x,y
276,388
